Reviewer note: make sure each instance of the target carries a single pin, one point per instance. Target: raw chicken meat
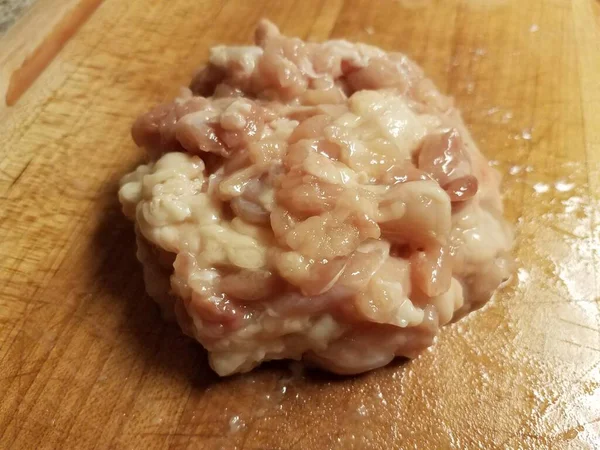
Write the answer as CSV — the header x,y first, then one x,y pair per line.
x,y
321,202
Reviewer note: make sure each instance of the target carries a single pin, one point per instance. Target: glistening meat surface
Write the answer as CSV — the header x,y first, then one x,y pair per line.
x,y
313,201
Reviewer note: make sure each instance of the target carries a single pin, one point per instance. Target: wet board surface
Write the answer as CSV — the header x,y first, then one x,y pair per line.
x,y
86,361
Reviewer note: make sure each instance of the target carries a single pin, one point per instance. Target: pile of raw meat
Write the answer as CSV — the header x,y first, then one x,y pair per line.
x,y
321,202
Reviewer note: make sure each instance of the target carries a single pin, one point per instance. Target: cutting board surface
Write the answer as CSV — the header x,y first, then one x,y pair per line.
x,y
86,361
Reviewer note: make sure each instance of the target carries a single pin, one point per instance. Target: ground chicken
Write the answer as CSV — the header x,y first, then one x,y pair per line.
x,y
310,201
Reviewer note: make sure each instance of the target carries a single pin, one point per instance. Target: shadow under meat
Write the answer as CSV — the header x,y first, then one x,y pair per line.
x,y
118,276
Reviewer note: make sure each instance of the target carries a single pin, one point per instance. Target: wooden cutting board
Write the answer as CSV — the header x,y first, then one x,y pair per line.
x,y
86,361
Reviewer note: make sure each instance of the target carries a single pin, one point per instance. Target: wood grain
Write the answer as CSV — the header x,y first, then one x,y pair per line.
x,y
35,40
87,363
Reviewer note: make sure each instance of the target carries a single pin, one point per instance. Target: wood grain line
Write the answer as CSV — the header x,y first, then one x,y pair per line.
x,y
33,42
